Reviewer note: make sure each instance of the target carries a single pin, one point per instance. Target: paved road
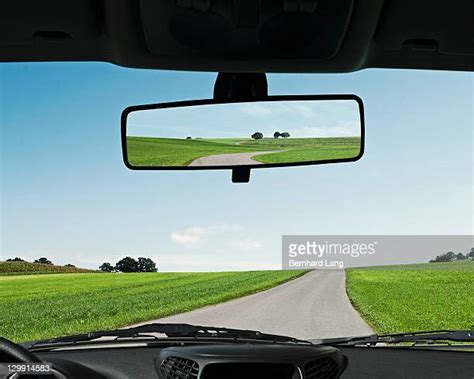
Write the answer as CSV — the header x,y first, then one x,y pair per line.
x,y
230,159
313,306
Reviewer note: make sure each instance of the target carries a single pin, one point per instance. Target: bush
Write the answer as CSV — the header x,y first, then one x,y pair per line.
x,y
106,267
43,261
450,256
470,254
146,265
16,259
129,264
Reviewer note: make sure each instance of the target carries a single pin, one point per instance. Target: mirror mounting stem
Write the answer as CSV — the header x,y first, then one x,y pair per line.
x,y
240,86
241,175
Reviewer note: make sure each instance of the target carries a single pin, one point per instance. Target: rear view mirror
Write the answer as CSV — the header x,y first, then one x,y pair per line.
x,y
228,134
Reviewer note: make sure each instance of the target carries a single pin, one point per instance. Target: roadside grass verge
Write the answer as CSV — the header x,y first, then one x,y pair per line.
x,y
25,268
307,149
43,306
146,151
308,155
414,297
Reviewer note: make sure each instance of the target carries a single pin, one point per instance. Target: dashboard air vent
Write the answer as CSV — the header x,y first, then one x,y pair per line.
x,y
324,368
179,368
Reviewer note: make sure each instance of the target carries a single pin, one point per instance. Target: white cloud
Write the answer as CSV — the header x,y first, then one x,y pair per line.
x,y
246,244
189,236
303,110
193,235
257,110
340,129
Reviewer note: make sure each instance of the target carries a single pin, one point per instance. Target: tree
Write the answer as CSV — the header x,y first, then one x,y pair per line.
x,y
16,259
146,265
460,256
69,265
106,267
447,257
127,264
257,135
189,137
285,135
276,135
470,254
44,261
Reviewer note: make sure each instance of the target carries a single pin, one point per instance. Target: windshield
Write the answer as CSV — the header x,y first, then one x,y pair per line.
x,y
381,245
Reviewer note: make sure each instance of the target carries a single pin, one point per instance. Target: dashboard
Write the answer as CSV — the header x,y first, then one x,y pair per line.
x,y
210,361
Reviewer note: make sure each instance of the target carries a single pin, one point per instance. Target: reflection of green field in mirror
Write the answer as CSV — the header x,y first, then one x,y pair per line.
x,y
173,152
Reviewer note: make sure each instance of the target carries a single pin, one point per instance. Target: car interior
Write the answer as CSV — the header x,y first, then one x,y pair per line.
x,y
241,41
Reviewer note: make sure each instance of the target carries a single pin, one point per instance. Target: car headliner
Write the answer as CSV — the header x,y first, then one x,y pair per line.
x,y
245,36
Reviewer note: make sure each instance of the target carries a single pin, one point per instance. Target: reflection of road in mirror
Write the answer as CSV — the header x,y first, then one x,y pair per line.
x,y
238,159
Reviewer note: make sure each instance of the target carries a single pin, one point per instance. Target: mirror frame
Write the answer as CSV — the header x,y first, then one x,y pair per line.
x,y
189,103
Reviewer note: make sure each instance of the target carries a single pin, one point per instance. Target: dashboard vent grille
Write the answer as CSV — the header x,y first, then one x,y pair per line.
x,y
324,368
179,368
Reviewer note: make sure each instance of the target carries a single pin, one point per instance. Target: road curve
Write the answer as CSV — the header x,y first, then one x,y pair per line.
x,y
236,159
312,306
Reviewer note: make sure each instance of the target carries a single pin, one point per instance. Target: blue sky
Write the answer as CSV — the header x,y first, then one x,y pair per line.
x,y
66,194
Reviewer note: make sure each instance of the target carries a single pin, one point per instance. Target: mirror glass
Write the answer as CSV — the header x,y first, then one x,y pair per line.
x,y
209,135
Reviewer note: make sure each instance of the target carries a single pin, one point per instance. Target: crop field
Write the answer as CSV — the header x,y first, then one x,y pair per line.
x,y
414,297
42,306
146,151
22,268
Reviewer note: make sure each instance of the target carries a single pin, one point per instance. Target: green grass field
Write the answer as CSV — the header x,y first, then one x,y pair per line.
x,y
308,149
24,268
42,306
145,151
390,298
414,297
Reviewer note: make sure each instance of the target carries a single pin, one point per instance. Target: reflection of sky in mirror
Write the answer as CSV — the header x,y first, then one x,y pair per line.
x,y
330,118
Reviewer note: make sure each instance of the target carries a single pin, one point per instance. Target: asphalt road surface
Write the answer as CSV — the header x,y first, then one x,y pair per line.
x,y
312,306
236,159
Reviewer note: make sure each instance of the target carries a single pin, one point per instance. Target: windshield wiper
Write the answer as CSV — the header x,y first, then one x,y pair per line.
x,y
172,331
430,337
